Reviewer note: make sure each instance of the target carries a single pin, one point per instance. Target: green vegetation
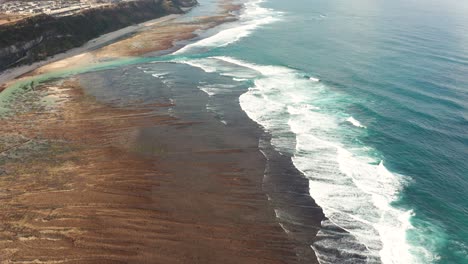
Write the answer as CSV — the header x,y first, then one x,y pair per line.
x,y
41,36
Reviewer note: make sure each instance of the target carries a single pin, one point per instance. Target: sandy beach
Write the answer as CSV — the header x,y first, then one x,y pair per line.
x,y
87,181
151,36
77,54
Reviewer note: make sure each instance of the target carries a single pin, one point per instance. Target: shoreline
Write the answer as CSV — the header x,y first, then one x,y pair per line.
x,y
107,183
119,44
99,42
259,195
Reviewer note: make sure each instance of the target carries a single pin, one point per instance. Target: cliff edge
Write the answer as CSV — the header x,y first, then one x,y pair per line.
x,y
41,36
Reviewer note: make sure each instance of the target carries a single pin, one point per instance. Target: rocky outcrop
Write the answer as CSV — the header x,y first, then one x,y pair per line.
x,y
42,36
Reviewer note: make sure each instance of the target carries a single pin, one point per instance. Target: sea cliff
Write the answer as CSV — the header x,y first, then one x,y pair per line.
x,y
43,36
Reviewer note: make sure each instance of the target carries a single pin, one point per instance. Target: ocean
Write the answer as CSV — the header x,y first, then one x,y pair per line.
x,y
370,98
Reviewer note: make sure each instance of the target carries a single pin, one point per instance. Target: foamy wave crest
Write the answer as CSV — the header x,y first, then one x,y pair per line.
x,y
208,91
159,75
199,64
355,191
354,122
252,17
240,79
214,89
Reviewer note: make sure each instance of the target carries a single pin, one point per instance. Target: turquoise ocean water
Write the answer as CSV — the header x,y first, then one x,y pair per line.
x,y
370,99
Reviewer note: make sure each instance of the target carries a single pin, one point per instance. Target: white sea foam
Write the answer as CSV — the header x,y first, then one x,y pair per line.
x,y
199,64
210,65
214,89
314,79
167,82
251,17
356,192
240,79
159,75
207,91
354,122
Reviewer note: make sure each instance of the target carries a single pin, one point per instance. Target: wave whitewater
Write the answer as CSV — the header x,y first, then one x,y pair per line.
x,y
355,189
355,122
355,192
252,17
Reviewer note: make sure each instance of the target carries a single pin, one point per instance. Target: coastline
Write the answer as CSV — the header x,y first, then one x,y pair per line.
x,y
112,184
217,210
13,73
123,43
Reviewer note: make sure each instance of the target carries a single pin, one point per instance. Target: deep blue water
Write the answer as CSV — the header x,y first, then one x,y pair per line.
x,y
383,136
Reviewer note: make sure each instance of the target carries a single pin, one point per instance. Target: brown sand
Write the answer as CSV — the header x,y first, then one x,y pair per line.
x,y
7,18
79,183
157,36
89,193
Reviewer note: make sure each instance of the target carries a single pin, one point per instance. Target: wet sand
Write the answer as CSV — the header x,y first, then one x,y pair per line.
x,y
158,35
77,54
82,181
91,183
